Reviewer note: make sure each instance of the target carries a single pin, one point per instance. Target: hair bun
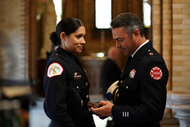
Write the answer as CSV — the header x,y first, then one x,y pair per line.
x,y
54,38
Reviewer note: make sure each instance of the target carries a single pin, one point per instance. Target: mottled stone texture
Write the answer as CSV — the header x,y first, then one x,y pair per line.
x,y
13,45
171,35
181,44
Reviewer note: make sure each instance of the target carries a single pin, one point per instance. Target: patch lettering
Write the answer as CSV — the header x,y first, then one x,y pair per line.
x,y
156,73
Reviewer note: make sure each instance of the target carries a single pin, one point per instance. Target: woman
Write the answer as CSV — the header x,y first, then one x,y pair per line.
x,y
66,85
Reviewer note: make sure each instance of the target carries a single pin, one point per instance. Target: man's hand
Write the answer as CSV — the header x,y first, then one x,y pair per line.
x,y
105,109
92,104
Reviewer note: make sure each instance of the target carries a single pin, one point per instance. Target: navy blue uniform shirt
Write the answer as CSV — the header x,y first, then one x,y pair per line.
x,y
141,96
66,91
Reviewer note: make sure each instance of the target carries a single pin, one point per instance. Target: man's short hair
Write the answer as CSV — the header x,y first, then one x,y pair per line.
x,y
129,21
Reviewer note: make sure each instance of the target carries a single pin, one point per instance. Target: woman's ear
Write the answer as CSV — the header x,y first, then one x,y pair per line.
x,y
63,36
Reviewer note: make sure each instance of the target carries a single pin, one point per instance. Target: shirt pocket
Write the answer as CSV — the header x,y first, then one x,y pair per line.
x,y
73,102
127,89
74,84
128,84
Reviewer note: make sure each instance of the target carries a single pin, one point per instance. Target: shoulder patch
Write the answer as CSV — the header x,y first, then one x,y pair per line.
x,y
156,73
54,69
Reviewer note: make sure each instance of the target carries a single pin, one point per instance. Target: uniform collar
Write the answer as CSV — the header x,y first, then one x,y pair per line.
x,y
68,57
63,52
138,55
143,50
139,48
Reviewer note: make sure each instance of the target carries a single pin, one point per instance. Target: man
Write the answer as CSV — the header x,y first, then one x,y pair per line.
x,y
141,95
110,71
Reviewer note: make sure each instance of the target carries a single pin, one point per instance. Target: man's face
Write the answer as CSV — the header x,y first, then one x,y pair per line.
x,y
123,40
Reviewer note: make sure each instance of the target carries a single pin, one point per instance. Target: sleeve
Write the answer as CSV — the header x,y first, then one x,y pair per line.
x,y
152,92
55,103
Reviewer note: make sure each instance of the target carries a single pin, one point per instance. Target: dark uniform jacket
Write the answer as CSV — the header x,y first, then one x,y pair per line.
x,y
141,95
66,91
110,73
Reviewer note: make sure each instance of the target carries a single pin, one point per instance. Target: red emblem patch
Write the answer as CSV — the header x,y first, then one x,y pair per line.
x,y
156,73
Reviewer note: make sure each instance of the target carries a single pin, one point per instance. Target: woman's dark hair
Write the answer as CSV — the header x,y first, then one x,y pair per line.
x,y
67,25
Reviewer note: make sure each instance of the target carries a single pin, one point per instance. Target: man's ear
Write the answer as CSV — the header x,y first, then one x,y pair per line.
x,y
136,33
63,36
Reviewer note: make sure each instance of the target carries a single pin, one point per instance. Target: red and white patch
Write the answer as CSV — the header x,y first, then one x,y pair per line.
x,y
156,73
54,69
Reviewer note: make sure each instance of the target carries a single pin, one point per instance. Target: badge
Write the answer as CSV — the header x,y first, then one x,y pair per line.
x,y
54,69
156,73
132,73
76,76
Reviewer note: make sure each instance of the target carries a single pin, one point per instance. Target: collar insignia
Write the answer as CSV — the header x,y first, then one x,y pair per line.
x,y
151,53
132,73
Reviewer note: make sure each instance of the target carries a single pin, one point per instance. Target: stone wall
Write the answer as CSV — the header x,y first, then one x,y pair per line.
x,y
13,44
171,35
181,44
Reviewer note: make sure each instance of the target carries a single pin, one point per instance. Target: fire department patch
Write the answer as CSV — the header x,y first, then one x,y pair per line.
x,y
132,73
54,69
156,73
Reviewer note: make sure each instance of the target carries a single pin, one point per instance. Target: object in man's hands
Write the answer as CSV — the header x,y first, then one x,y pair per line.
x,y
93,104
112,92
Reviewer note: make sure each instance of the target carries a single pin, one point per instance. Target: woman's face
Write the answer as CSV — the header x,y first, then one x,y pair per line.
x,y
74,43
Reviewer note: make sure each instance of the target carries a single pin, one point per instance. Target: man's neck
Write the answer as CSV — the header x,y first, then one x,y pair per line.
x,y
141,44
